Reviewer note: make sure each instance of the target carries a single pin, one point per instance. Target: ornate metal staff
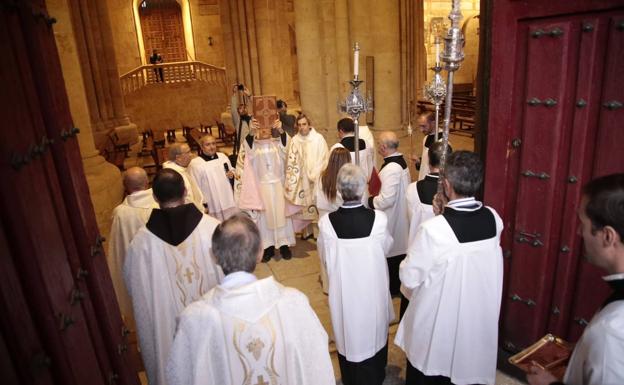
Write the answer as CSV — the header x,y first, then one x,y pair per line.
x,y
356,103
436,90
453,55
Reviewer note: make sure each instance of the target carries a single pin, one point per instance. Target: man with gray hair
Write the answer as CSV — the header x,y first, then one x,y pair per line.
x,y
247,330
179,158
394,176
354,241
454,269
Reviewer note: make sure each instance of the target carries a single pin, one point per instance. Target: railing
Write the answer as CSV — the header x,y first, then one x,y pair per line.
x,y
177,72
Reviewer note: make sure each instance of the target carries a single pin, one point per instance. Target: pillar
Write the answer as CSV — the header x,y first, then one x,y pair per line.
x,y
103,178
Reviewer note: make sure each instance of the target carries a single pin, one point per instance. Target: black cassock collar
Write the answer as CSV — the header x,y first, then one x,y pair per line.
x,y
618,291
174,225
208,157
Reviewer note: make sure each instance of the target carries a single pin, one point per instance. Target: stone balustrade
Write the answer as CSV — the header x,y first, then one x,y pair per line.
x,y
176,72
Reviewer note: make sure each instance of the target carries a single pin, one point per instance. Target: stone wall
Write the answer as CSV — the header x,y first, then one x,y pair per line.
x,y
467,73
169,105
125,36
207,24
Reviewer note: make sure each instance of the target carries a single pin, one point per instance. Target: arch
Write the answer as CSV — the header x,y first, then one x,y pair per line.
x,y
186,24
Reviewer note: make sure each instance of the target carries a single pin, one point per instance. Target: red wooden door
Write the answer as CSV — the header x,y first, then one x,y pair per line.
x,y
161,25
60,320
553,67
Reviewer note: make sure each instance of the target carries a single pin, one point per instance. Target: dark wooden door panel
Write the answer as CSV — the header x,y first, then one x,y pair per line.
x,y
162,29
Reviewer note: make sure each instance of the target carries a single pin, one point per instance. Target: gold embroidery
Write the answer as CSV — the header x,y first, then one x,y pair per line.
x,y
255,347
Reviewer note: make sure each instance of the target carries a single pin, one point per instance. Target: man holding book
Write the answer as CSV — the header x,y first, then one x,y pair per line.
x,y
598,357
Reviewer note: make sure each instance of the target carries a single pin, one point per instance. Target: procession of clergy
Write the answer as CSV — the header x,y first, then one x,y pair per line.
x,y
182,254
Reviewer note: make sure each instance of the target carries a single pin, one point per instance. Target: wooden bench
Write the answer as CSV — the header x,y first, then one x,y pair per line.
x,y
115,152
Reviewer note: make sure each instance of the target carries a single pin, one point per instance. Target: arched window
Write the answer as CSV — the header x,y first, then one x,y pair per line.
x,y
161,23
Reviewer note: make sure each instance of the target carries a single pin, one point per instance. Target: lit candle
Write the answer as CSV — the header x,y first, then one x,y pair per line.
x,y
437,45
356,60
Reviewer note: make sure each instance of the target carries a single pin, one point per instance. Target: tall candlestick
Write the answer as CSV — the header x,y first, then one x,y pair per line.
x,y
437,46
356,60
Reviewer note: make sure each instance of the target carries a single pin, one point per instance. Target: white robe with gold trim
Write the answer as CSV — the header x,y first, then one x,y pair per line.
x,y
128,218
258,333
214,185
162,280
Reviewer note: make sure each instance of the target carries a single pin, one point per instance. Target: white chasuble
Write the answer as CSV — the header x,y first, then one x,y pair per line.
x,y
193,193
598,357
263,178
260,333
306,158
359,297
450,327
392,201
214,185
128,218
162,280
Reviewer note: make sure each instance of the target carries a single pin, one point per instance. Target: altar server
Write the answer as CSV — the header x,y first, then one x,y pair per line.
x,y
212,172
168,266
246,330
426,124
128,218
598,357
454,268
394,176
346,133
354,241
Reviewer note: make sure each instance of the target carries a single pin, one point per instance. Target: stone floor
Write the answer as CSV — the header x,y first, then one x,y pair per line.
x,y
302,272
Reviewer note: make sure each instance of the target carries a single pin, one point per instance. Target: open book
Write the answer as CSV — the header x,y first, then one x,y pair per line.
x,y
550,353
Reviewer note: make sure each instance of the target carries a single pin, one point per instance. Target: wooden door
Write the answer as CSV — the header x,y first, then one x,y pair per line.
x,y
552,68
60,320
161,23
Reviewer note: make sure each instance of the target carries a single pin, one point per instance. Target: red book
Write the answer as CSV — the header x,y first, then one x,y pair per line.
x,y
374,184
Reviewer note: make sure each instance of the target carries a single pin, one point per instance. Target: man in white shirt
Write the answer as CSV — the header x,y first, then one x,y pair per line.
x,y
245,330
598,357
354,241
420,201
212,172
346,133
394,176
454,269
179,158
167,267
306,158
128,218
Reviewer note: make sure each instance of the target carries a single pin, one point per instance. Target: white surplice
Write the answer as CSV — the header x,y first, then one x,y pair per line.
x,y
359,300
393,202
450,327
264,161
128,218
417,211
162,280
598,357
214,185
257,332
193,193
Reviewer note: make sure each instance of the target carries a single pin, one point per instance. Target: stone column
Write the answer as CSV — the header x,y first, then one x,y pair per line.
x,y
385,24
94,42
310,57
103,178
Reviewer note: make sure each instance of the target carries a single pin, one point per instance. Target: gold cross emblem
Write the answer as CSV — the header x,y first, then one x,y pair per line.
x,y
189,275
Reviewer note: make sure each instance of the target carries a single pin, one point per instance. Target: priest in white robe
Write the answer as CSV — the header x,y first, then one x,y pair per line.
x,y
598,357
259,185
426,124
354,241
128,218
394,176
454,269
168,266
346,133
179,158
307,156
212,172
246,330
420,202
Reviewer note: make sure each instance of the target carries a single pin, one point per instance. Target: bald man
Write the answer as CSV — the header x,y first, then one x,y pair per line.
x,y
128,218
179,158
394,176
213,172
